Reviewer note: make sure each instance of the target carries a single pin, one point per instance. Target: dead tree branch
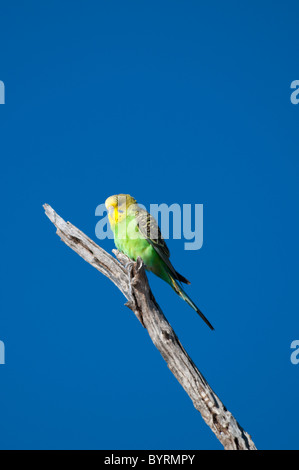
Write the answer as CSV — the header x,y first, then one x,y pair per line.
x,y
132,282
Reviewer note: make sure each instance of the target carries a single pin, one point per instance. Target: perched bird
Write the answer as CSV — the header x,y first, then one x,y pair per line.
x,y
136,233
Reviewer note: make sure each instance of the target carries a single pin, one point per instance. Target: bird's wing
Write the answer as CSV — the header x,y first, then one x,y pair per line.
x,y
150,230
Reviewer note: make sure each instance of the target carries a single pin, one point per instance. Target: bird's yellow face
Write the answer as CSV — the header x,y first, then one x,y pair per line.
x,y
117,207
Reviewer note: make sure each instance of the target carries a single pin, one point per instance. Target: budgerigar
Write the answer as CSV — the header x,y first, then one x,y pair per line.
x,y
136,234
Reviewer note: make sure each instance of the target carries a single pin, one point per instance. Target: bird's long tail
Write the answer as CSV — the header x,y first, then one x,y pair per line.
x,y
180,291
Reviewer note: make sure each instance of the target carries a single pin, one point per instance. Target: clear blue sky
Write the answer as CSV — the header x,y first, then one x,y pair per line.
x,y
185,102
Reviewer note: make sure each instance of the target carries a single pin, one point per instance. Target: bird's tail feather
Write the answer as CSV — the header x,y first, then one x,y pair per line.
x,y
181,278
180,291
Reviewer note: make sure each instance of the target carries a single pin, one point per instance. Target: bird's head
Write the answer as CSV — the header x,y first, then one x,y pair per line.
x,y
117,207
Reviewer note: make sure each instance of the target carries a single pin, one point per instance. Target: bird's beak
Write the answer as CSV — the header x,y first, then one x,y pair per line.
x,y
110,209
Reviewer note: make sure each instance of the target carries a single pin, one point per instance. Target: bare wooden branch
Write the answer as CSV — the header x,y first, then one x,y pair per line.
x,y
132,281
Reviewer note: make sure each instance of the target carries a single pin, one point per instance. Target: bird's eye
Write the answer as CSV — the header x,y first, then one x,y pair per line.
x,y
120,211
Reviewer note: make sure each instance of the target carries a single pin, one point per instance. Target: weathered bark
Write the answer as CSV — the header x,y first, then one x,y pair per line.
x,y
132,281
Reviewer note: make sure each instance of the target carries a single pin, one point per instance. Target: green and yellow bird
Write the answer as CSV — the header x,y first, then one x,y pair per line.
x,y
137,234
